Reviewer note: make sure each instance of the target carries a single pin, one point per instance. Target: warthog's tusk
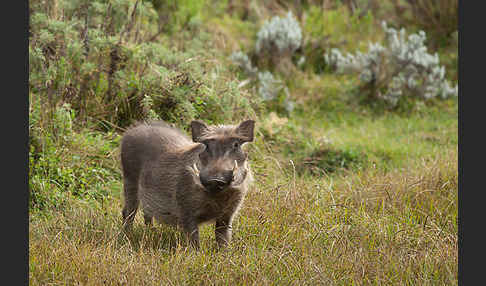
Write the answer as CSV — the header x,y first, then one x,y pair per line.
x,y
196,170
236,166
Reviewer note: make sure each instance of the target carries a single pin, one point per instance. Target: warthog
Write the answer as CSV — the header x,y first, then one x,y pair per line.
x,y
186,183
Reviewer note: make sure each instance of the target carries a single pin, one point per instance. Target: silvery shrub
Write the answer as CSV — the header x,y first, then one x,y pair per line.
x,y
281,35
241,60
402,67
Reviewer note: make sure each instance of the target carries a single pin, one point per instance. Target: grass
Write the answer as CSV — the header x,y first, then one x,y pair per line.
x,y
372,227
378,225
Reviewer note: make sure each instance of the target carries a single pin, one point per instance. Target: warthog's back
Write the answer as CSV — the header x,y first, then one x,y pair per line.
x,y
150,155
146,142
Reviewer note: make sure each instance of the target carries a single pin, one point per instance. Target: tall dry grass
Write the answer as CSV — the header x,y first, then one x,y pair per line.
x,y
373,227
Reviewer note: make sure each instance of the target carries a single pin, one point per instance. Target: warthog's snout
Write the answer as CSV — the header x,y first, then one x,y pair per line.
x,y
218,182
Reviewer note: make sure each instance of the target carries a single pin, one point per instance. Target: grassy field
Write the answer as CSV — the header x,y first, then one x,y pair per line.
x,y
344,194
371,226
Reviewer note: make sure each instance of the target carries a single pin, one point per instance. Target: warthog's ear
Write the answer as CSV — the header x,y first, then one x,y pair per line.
x,y
198,128
245,130
192,151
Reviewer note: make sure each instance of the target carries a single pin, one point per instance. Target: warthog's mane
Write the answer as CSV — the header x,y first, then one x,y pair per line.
x,y
220,132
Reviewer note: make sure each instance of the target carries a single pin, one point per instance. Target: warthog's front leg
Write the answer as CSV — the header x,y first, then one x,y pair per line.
x,y
192,232
223,231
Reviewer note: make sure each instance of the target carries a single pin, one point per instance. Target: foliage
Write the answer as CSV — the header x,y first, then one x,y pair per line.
x,y
243,61
439,19
177,15
269,88
95,68
278,38
337,28
107,65
401,68
282,36
64,163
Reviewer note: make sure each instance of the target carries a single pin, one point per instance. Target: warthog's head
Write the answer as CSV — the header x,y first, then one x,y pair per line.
x,y
223,162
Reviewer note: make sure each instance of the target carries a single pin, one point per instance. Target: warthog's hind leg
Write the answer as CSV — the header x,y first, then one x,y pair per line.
x,y
131,203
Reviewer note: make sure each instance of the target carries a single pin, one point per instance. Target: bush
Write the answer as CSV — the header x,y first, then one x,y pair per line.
x,y
177,15
109,67
270,89
336,28
401,68
277,40
65,163
98,65
329,160
241,60
279,35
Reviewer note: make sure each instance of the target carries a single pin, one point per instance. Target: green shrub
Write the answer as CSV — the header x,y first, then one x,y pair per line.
x,y
177,15
64,163
328,160
108,67
95,68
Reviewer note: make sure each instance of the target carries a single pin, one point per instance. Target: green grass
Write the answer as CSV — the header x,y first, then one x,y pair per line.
x,y
362,228
392,222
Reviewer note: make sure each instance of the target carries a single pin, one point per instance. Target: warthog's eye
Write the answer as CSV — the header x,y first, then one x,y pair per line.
x,y
236,145
207,145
